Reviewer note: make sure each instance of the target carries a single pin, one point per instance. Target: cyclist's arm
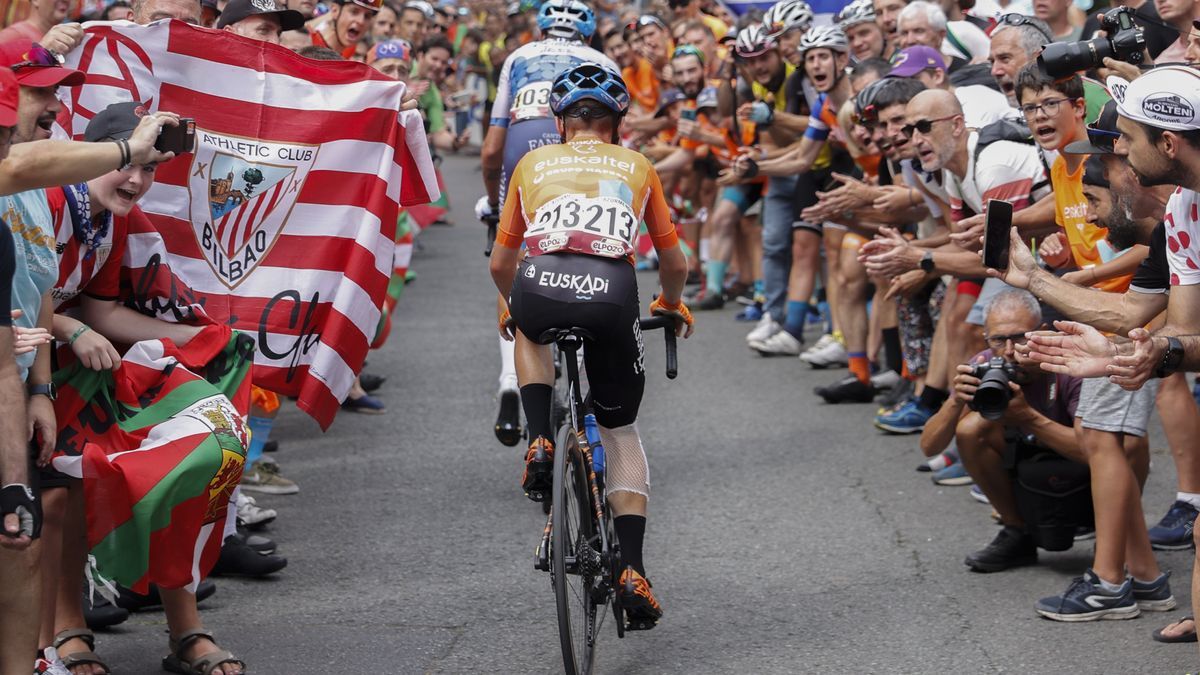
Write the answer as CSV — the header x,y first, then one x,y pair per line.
x,y
672,265
491,160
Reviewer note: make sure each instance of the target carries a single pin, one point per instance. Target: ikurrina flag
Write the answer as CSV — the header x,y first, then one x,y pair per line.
x,y
160,444
281,223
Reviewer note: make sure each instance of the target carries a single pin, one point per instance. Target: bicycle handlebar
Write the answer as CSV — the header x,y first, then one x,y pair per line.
x,y
491,223
668,324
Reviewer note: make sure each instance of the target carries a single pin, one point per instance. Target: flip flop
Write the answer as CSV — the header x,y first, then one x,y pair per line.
x,y
1171,639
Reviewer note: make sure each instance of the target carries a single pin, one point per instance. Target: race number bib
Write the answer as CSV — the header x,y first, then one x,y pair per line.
x,y
603,226
531,102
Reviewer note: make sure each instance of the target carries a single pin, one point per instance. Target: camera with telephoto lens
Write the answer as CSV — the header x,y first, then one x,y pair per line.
x,y
1124,41
992,395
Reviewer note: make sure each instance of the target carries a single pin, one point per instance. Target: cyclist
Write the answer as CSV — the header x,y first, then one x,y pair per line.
x,y
576,207
520,122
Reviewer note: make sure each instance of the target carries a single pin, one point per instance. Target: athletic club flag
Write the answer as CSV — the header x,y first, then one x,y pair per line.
x,y
281,222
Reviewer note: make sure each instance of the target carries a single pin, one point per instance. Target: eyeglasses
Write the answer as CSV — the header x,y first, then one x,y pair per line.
x,y
38,57
1049,107
924,126
647,20
1015,19
997,343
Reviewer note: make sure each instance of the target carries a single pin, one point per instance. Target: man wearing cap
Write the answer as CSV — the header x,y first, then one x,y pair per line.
x,y
259,19
392,58
347,24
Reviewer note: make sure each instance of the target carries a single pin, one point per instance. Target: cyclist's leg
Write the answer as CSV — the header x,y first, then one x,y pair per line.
x,y
534,363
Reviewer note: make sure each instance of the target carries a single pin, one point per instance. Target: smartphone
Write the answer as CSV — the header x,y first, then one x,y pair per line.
x,y
177,139
996,234
688,114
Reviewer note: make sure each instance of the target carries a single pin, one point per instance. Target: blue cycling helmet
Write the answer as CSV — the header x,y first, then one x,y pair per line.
x,y
566,19
589,81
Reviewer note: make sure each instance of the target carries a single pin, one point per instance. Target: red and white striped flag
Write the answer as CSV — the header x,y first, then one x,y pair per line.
x,y
281,223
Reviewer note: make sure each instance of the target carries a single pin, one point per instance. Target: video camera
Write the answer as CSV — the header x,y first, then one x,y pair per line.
x,y
1124,41
992,396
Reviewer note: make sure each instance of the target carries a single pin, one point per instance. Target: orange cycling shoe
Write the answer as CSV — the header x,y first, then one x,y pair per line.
x,y
642,610
538,478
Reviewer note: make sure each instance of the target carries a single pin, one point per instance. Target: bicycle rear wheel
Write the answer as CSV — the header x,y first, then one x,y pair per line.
x,y
575,562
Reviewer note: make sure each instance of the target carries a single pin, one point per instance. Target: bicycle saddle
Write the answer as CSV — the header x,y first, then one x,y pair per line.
x,y
571,336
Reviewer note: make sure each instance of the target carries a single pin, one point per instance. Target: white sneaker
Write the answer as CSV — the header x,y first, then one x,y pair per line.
x,y
766,328
779,344
834,353
821,344
250,514
886,379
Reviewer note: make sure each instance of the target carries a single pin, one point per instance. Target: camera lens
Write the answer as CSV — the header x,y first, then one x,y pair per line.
x,y
1061,59
992,396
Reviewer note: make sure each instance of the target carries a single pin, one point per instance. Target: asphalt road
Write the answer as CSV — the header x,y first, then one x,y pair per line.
x,y
786,536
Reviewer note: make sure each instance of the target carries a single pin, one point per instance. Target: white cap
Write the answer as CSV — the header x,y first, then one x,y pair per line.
x,y
1166,98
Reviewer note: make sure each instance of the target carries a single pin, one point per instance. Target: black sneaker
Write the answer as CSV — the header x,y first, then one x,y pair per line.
x,y
370,382
135,602
99,613
508,422
1012,547
239,560
711,301
849,389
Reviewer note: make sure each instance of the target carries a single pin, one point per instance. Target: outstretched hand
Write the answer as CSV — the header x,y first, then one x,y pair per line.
x,y
1076,349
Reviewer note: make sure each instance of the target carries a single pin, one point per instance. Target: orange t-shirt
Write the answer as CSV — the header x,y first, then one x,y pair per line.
x,y
643,84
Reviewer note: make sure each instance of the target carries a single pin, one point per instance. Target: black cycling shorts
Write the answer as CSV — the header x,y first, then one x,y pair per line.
x,y
599,295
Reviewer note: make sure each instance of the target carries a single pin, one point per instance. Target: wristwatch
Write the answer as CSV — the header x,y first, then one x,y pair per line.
x,y
1171,359
927,262
48,390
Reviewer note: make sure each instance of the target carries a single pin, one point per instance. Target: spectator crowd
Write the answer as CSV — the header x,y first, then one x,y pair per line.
x,y
830,176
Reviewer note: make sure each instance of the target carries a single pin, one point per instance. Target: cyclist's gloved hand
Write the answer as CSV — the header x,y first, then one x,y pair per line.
x,y
484,211
508,329
16,499
684,323
761,113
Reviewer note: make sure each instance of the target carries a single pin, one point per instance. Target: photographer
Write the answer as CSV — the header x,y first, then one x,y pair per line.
x,y
1040,413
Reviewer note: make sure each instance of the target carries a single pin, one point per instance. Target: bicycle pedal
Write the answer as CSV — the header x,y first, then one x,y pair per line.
x,y
537,495
640,623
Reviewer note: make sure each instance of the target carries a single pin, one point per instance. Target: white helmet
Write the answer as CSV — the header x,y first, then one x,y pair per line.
x,y
788,15
859,11
824,37
753,40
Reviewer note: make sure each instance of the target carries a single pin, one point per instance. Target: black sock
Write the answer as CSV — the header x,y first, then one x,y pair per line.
x,y
630,531
536,398
932,398
892,354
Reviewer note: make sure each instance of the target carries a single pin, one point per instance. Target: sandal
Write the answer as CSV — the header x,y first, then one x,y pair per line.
x,y
83,658
202,665
1172,639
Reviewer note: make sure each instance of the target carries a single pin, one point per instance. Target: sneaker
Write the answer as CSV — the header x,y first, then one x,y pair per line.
x,y
886,379
711,301
50,663
899,394
1012,547
977,495
1085,533
938,462
366,404
537,481
1086,600
239,560
909,418
370,382
508,421
264,477
1174,531
781,343
135,602
821,343
252,516
766,328
953,476
99,613
849,389
1154,596
751,312
831,355
641,608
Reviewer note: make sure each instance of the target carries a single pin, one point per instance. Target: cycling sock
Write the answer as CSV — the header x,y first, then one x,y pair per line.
x,y
860,367
892,353
716,275
508,365
1189,497
536,399
260,433
797,314
932,398
758,290
630,532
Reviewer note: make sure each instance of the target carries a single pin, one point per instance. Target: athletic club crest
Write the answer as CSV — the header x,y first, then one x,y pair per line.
x,y
242,193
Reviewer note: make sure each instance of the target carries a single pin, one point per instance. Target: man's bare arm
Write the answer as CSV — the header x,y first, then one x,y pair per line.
x,y
1108,312
14,453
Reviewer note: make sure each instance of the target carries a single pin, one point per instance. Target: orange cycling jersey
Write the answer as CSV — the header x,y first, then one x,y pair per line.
x,y
584,196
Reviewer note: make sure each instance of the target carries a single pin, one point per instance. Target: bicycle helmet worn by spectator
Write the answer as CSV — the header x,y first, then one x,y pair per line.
x,y
566,19
787,15
753,40
859,11
589,81
824,37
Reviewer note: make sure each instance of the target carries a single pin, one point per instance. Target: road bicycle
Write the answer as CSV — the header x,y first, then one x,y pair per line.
x,y
578,546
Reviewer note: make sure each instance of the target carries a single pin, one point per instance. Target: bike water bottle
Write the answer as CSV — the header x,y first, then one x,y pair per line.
x,y
592,431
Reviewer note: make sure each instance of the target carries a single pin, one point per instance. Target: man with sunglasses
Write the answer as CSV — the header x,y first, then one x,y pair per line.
x,y
656,43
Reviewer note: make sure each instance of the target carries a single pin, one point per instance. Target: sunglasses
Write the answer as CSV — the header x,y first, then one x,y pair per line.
x,y
646,20
687,50
924,126
38,57
1015,19
999,342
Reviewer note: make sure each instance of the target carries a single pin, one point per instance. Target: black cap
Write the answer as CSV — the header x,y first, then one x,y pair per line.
x,y
236,10
669,97
115,122
1094,172
1101,134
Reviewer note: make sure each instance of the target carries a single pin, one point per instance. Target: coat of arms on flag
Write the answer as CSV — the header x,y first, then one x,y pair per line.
x,y
242,192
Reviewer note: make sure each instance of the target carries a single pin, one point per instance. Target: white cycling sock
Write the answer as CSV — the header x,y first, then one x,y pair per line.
x,y
508,365
1189,497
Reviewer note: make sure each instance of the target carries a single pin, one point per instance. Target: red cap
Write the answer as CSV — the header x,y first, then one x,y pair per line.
x,y
36,65
10,94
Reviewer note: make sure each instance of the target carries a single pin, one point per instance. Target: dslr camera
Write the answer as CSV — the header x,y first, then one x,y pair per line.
x,y
1124,42
992,396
